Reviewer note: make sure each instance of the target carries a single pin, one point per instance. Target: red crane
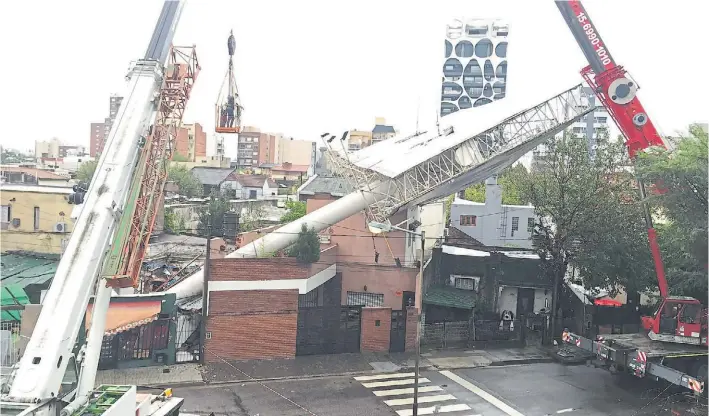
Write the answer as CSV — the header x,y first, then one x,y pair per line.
x,y
131,241
679,318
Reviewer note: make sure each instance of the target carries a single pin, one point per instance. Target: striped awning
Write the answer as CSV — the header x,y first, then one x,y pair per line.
x,y
123,316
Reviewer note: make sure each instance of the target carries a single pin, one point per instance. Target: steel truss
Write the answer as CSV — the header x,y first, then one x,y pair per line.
x,y
181,72
454,166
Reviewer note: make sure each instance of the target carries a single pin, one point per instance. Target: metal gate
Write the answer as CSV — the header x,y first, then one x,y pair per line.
x,y
328,330
397,338
134,344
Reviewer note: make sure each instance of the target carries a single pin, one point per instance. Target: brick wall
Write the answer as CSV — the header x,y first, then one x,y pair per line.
x,y
254,324
250,269
375,338
411,322
388,280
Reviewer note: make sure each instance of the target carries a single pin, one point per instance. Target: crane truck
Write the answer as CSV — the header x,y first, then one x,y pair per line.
x,y
674,347
107,245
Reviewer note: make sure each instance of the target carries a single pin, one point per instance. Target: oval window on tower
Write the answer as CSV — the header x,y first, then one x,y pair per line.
x,y
452,68
464,49
501,50
483,49
449,49
488,70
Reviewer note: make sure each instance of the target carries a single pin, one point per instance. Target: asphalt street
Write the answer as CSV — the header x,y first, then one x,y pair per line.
x,y
526,390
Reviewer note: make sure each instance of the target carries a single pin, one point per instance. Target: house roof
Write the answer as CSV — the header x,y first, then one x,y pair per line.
x,y
326,185
37,173
450,297
291,168
382,128
252,181
211,176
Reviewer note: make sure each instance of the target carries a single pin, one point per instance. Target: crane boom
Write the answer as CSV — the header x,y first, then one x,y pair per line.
x,y
38,377
618,94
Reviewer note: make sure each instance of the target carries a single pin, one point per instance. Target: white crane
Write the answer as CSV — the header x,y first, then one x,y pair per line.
x,y
38,385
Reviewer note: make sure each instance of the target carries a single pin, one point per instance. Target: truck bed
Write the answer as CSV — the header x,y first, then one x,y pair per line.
x,y
654,348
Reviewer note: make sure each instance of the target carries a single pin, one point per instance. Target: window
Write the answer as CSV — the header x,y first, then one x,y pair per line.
x,y
36,218
530,225
465,282
6,213
469,220
515,223
365,299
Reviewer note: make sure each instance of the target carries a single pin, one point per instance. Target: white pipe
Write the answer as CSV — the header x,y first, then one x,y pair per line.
x,y
283,237
89,365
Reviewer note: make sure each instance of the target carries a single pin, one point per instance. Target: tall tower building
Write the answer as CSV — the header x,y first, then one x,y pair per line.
x,y
475,66
100,131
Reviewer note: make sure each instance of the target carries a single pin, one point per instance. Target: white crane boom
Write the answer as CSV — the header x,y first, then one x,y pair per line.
x,y
38,377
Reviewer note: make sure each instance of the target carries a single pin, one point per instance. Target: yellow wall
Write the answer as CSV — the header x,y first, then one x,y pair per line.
x,y
25,237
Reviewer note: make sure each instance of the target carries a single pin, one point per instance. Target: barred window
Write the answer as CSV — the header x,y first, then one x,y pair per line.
x,y
365,299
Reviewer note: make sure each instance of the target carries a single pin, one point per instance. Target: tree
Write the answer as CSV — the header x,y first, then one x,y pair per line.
x,y
682,175
296,209
307,247
510,180
86,171
214,212
178,157
253,220
590,216
183,178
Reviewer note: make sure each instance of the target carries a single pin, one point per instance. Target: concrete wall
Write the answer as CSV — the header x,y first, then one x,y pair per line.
x,y
390,281
507,300
53,208
488,229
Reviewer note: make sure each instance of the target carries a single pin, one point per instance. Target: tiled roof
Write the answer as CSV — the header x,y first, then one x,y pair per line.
x,y
450,297
37,173
252,181
211,176
291,168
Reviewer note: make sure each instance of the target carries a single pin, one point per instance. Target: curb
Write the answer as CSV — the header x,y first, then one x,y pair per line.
x,y
284,378
540,360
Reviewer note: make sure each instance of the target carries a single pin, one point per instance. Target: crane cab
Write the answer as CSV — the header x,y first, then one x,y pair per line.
x,y
678,319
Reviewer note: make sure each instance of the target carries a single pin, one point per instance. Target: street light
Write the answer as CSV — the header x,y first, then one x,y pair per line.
x,y
385,227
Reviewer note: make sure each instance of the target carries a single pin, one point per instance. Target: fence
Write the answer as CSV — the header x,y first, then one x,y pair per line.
x,y
465,333
9,343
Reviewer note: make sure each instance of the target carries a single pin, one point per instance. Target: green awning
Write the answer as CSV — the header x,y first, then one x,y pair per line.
x,y
450,297
17,273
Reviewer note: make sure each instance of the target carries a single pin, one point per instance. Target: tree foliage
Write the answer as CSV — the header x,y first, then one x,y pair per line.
x,y
682,176
213,215
296,209
253,220
307,247
183,178
590,215
511,181
86,171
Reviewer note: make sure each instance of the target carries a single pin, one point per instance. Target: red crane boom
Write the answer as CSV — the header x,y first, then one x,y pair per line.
x,y
678,319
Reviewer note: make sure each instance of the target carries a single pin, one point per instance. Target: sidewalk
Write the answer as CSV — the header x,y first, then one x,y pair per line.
x,y
320,366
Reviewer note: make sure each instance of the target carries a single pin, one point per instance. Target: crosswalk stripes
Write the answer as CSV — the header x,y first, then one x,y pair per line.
x,y
397,390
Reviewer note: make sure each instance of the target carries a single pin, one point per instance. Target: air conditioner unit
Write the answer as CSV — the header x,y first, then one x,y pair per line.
x,y
60,227
324,238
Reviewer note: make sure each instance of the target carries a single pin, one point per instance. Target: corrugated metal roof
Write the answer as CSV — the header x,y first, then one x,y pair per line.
x,y
450,297
381,128
26,270
211,176
192,303
327,185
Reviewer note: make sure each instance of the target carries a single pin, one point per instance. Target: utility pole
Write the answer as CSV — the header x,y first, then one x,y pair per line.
x,y
205,292
419,302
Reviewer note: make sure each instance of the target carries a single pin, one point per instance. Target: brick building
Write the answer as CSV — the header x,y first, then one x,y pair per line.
x,y
265,308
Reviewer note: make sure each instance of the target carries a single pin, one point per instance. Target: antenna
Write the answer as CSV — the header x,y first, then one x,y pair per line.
x,y
418,112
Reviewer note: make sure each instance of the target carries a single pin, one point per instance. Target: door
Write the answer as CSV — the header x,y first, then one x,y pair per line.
x,y
252,194
397,338
408,300
525,302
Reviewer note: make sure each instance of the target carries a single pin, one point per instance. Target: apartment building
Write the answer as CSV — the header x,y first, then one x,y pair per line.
x,y
100,131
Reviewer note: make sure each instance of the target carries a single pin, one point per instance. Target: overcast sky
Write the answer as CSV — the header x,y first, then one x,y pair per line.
x,y
307,67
